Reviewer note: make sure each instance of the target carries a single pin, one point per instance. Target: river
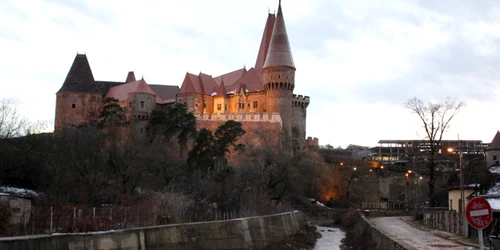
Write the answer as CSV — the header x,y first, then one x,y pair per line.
x,y
330,238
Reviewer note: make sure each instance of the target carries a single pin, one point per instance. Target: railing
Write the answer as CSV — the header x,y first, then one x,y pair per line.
x,y
253,117
384,205
68,219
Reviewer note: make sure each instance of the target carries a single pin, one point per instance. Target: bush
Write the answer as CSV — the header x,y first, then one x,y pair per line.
x,y
175,206
259,202
5,214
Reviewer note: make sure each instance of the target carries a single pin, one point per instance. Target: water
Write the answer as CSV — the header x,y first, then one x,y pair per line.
x,y
330,239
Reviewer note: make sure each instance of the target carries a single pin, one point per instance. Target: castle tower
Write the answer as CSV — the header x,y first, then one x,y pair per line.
x,y
492,153
79,98
278,76
299,115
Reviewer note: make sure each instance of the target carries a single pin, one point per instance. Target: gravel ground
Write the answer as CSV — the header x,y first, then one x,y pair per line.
x,y
401,231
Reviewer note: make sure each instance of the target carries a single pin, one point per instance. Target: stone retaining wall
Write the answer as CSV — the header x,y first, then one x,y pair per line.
x,y
244,233
449,221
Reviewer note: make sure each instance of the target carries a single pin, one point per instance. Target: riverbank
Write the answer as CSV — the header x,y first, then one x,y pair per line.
x,y
304,239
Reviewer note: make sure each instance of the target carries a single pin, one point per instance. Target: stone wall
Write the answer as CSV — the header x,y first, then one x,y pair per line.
x,y
383,241
258,135
75,108
449,221
244,233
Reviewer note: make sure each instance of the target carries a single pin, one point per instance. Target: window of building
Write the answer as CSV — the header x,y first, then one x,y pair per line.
x,y
494,157
219,106
73,105
142,104
451,204
130,105
241,105
255,104
249,105
225,106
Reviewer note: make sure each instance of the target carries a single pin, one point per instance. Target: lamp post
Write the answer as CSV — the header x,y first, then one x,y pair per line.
x,y
462,195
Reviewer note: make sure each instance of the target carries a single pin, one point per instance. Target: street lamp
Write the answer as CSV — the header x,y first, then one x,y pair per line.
x,y
460,160
462,196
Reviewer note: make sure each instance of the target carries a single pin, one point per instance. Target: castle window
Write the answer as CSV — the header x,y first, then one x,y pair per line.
x,y
279,76
494,157
255,104
241,105
248,105
73,105
142,104
225,106
219,106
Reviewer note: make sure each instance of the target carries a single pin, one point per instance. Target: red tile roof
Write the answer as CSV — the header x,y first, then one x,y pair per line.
x,y
279,53
274,50
121,92
250,79
264,44
495,143
201,84
231,77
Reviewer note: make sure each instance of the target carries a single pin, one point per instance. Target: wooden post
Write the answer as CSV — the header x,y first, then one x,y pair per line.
x,y
51,219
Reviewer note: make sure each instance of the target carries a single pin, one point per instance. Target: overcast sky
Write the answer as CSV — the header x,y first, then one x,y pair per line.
x,y
358,60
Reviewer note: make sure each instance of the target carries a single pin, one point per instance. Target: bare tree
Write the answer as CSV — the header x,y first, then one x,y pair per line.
x,y
12,124
435,118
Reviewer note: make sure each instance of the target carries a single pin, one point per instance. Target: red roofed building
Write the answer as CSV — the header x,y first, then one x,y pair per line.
x,y
266,88
263,93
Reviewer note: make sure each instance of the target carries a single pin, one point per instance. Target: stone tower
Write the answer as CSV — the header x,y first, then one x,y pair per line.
x,y
278,77
79,98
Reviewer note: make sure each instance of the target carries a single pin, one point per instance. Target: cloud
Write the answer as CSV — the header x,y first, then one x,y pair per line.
x,y
358,60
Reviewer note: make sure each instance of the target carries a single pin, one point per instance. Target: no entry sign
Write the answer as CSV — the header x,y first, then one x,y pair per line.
x,y
478,213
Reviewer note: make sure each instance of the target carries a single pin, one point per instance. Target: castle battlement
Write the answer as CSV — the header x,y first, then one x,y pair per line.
x,y
241,117
300,101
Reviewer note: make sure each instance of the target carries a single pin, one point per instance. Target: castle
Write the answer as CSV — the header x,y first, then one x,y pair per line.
x,y
262,94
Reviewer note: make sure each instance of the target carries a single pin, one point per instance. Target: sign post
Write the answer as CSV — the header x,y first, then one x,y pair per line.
x,y
479,216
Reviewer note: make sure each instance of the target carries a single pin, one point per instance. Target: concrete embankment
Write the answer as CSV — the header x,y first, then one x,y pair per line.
x,y
384,241
244,233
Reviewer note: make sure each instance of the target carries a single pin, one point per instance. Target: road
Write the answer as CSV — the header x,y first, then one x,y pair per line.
x,y
401,231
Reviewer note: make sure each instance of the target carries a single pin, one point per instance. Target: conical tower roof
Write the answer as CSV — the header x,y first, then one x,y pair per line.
x,y
80,77
266,40
279,53
495,143
221,90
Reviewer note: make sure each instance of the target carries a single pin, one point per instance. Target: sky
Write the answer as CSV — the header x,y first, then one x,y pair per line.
x,y
358,60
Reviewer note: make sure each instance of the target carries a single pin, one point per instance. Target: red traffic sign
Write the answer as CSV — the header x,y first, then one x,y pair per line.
x,y
479,213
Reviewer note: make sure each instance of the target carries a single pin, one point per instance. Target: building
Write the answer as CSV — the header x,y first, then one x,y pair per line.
x,y
454,194
404,150
492,152
263,93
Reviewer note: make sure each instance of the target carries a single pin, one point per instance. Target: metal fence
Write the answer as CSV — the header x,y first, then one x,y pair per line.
x,y
72,219
383,205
